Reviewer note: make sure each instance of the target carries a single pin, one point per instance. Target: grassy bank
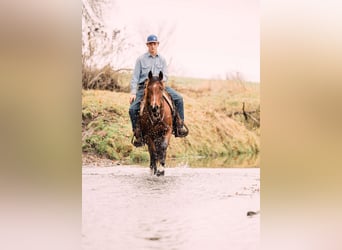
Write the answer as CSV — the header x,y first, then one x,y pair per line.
x,y
213,111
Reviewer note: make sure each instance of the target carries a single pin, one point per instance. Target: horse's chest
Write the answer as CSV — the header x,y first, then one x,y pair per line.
x,y
154,130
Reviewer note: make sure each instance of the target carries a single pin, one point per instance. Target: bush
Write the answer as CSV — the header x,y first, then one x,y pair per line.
x,y
104,79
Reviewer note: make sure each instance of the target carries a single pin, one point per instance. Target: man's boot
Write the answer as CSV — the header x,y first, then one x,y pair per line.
x,y
138,142
181,130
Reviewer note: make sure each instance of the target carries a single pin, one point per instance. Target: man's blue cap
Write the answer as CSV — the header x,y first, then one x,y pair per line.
x,y
152,39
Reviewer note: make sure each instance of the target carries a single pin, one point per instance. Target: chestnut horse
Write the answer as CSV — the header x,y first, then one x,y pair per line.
x,y
156,117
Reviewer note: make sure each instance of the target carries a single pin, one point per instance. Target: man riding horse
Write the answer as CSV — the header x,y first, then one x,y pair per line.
x,y
154,62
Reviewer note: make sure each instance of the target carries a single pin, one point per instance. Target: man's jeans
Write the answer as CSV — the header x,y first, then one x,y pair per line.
x,y
135,106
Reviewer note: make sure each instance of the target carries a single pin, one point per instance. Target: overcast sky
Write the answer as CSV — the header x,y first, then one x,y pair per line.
x,y
208,38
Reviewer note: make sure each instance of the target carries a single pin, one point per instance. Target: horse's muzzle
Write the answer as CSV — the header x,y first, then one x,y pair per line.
x,y
155,110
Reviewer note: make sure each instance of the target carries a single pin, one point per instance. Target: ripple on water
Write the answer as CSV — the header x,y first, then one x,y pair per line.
x,y
188,208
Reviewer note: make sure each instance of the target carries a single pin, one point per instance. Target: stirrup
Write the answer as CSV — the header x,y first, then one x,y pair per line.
x,y
136,143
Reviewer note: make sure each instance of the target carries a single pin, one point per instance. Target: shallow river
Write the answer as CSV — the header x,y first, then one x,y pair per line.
x,y
188,208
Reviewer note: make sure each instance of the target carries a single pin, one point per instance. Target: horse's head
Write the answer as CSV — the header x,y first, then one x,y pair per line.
x,y
155,95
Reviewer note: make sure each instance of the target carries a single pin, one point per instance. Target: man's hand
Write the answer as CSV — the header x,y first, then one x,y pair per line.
x,y
132,98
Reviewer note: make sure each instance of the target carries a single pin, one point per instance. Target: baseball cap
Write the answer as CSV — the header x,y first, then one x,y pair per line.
x,y
152,39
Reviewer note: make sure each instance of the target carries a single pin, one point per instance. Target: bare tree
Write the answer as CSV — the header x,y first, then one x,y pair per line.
x,y
101,45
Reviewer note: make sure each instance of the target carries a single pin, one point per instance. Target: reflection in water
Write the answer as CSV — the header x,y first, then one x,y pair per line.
x,y
240,161
236,161
188,208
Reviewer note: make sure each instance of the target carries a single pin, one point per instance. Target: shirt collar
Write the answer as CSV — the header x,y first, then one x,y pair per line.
x,y
149,55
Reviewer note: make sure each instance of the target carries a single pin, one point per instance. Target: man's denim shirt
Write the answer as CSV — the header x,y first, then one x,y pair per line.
x,y
143,65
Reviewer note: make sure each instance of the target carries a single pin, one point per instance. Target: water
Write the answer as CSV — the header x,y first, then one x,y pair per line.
x,y
189,208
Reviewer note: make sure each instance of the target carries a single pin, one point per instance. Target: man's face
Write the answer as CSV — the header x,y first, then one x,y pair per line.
x,y
153,48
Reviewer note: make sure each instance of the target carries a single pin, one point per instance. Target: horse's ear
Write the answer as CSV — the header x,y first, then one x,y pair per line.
x,y
160,76
150,75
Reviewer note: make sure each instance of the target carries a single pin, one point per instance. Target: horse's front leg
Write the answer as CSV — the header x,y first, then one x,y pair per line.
x,y
162,153
162,145
153,157
153,162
